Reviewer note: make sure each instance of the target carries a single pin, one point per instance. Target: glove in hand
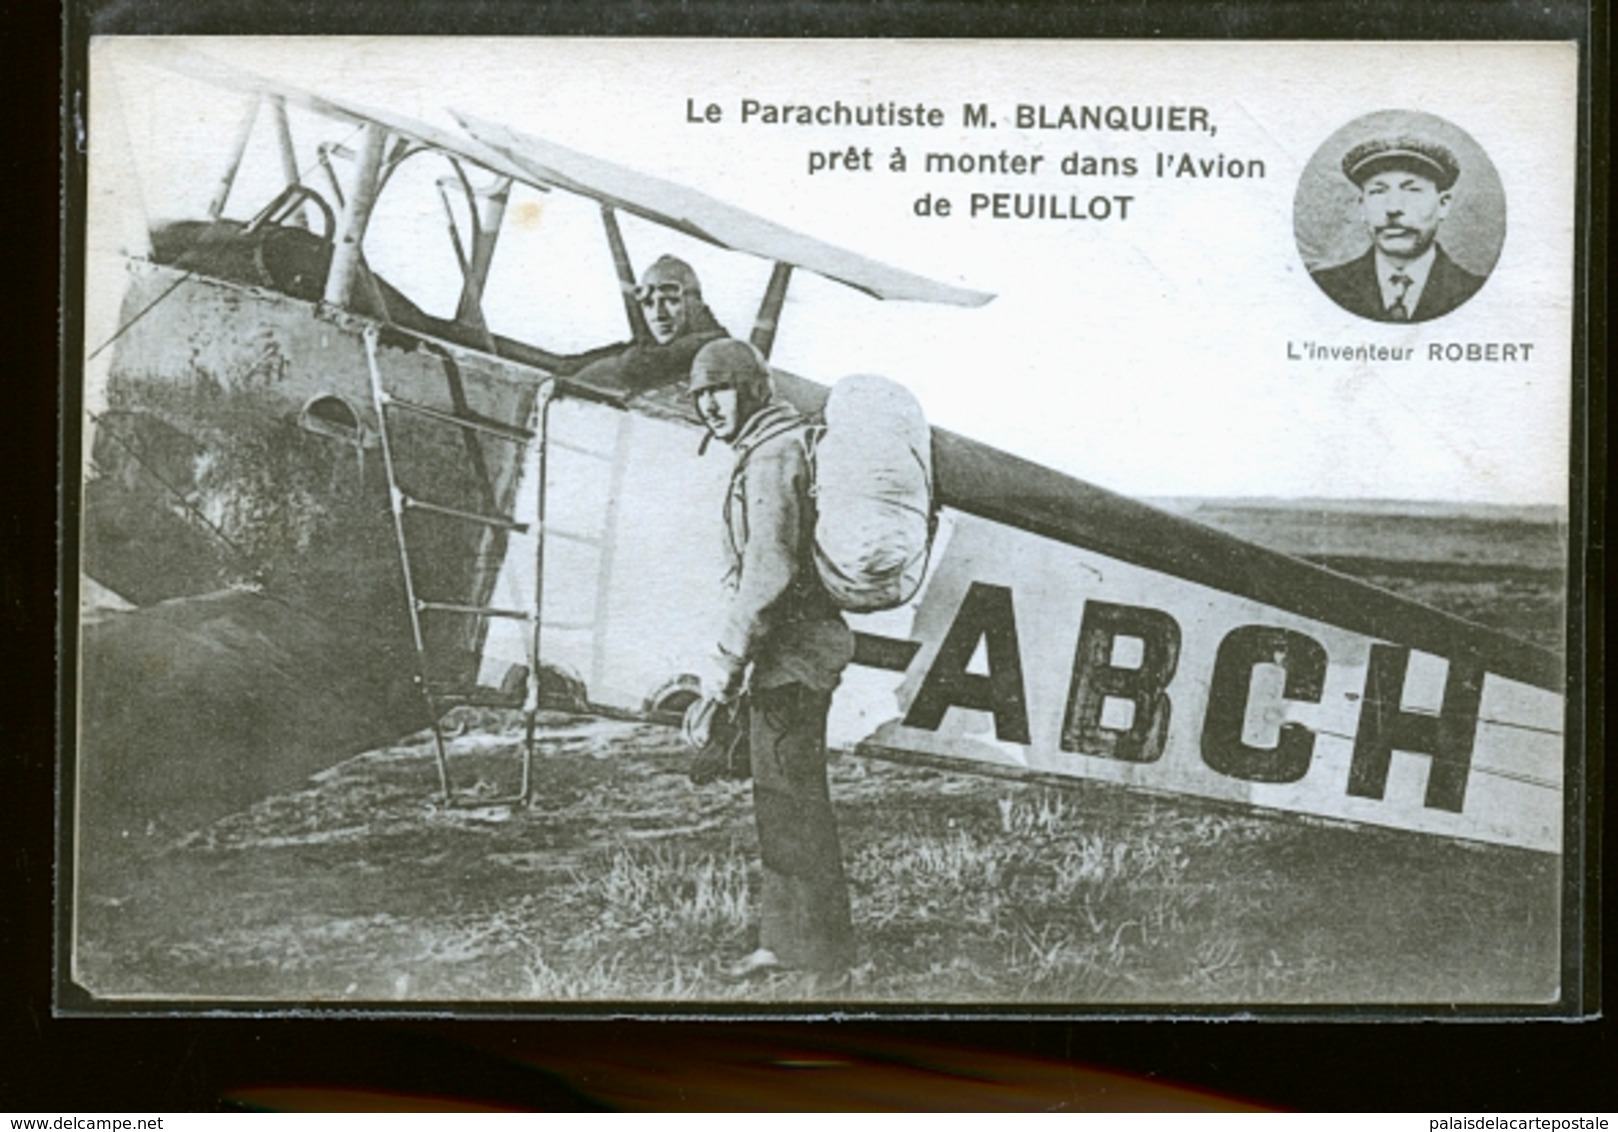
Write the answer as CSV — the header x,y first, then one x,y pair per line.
x,y
697,726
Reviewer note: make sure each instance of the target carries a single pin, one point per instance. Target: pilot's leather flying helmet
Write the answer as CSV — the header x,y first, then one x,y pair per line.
x,y
730,363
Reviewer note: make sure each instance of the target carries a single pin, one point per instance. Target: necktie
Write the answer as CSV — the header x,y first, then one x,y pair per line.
x,y
1397,310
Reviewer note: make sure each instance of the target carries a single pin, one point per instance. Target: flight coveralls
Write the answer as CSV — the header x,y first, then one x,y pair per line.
x,y
781,620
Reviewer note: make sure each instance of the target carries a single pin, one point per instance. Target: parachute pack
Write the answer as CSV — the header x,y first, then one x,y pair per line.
x,y
873,476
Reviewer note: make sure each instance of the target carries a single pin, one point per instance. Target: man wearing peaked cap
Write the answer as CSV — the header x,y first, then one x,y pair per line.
x,y
1406,151
1405,184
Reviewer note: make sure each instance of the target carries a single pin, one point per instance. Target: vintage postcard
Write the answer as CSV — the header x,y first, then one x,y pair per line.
x,y
759,526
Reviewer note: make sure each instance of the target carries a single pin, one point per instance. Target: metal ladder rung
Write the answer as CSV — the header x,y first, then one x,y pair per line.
x,y
479,610
573,536
504,431
410,502
475,696
569,446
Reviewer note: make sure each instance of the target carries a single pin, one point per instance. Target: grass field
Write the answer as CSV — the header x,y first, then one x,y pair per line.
x,y
627,883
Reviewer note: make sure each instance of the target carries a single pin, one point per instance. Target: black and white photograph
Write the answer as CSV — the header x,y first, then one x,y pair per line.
x,y
1373,217
785,527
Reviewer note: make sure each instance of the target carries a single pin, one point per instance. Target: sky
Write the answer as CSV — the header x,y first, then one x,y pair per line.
x,y
1162,353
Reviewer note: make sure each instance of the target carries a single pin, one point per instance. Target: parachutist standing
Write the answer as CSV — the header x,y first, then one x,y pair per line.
x,y
784,637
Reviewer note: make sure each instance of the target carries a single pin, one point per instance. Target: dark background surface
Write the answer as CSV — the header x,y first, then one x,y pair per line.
x,y
84,1065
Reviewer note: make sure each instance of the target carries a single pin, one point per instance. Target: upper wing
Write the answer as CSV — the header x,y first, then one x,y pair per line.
x,y
697,214
548,165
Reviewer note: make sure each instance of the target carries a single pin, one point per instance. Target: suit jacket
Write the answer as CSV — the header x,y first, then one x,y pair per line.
x,y
1353,286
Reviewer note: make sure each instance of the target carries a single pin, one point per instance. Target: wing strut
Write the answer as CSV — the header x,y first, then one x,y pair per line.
x,y
491,205
769,310
626,272
289,156
346,255
244,130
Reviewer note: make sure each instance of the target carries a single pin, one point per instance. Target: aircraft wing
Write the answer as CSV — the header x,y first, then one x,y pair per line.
x,y
548,165
194,64
697,214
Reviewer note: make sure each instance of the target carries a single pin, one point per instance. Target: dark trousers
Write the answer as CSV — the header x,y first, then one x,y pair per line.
x,y
804,915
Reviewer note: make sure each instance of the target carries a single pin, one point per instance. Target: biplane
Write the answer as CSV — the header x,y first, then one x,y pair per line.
x,y
329,507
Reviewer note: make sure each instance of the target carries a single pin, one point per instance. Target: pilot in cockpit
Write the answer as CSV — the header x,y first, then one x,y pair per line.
x,y
678,324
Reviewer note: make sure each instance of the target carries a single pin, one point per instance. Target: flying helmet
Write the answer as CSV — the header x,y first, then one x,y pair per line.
x,y
729,363
670,273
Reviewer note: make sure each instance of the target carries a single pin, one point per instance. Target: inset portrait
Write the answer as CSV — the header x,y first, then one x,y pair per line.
x,y
1400,217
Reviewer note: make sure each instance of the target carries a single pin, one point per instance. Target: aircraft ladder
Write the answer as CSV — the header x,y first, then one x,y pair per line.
x,y
438,696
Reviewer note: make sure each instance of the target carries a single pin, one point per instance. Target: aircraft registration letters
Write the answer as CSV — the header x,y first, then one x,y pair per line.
x,y
1226,699
1030,653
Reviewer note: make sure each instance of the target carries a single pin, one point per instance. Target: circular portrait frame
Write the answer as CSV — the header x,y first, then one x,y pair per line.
x,y
1334,236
